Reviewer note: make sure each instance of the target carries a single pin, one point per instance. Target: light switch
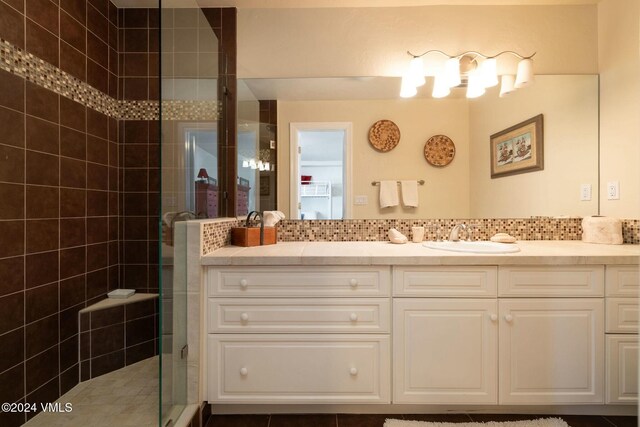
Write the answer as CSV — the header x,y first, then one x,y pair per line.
x,y
361,200
585,192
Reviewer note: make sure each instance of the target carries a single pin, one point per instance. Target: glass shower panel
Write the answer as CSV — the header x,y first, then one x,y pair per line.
x,y
191,155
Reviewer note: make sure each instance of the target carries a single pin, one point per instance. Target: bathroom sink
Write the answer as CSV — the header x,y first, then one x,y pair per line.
x,y
480,247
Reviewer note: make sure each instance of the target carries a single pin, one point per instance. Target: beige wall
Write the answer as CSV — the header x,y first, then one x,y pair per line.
x,y
446,192
335,42
619,66
570,149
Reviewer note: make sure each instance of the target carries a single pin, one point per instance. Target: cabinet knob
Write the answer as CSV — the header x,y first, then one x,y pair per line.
x,y
493,317
353,283
353,372
244,372
353,317
508,318
244,283
244,317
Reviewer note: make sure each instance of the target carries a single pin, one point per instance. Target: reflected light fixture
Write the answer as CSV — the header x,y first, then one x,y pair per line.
x,y
473,70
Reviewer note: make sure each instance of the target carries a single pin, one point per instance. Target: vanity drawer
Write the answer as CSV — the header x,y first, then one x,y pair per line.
x,y
463,281
622,281
622,315
551,281
314,315
298,368
298,281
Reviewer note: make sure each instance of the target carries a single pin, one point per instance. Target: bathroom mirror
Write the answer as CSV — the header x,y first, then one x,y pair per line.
x,y
464,188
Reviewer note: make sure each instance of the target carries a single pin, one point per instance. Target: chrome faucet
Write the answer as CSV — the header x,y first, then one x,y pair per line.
x,y
453,236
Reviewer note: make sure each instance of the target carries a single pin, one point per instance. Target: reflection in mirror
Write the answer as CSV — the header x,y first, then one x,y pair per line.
x,y
463,188
256,152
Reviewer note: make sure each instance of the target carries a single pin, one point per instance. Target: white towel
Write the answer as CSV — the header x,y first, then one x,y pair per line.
x,y
388,194
409,193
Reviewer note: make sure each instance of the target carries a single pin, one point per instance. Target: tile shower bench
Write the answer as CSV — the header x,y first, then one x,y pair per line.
x,y
115,333
373,327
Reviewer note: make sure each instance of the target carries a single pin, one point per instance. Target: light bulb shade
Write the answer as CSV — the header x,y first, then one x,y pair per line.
x,y
245,163
253,164
508,80
452,72
525,75
489,72
475,88
416,72
440,86
202,173
407,89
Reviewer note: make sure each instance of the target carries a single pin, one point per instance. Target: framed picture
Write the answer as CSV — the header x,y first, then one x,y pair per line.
x,y
518,149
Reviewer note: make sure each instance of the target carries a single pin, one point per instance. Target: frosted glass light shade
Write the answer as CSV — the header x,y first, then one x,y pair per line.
x,y
416,72
488,69
452,72
475,88
525,75
440,86
407,89
507,86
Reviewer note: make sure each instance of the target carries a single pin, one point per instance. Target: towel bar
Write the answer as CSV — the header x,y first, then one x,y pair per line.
x,y
374,183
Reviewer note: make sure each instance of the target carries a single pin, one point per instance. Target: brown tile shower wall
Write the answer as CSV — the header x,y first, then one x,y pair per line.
x,y
140,151
59,190
115,337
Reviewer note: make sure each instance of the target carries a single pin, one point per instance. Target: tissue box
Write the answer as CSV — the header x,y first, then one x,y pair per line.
x,y
250,236
602,229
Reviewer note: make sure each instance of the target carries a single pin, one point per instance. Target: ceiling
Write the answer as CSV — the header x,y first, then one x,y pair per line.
x,y
270,4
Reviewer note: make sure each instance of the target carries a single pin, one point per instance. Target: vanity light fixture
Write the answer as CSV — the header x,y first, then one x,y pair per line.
x,y
473,70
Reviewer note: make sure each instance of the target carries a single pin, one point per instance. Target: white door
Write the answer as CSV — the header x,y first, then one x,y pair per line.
x,y
320,180
551,351
445,351
622,369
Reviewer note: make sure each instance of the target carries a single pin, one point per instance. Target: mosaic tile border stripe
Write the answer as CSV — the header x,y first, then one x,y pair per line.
x,y
216,234
33,69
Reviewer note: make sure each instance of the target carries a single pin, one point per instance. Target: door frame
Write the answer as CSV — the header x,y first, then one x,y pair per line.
x,y
294,168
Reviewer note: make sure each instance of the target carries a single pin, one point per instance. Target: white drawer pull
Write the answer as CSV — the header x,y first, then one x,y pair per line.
x,y
493,317
244,372
244,317
353,283
244,283
353,317
353,372
508,318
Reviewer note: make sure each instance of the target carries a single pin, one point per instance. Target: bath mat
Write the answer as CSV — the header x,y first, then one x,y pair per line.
x,y
540,422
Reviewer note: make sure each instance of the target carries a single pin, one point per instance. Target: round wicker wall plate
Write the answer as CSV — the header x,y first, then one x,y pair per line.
x,y
439,150
384,135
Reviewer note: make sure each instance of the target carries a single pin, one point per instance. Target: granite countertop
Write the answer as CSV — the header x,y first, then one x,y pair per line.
x,y
384,253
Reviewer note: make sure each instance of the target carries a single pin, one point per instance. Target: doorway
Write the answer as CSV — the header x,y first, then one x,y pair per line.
x,y
321,170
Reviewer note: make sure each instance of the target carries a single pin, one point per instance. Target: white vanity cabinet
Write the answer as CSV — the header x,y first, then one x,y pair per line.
x,y
445,351
622,289
551,334
290,334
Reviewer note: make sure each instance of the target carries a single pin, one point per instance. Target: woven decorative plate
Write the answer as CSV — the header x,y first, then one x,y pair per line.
x,y
439,150
384,135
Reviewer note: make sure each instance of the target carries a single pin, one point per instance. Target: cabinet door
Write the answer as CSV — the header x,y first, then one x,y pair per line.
x,y
622,369
445,351
551,351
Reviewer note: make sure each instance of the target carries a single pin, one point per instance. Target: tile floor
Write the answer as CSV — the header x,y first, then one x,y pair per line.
x,y
375,420
126,397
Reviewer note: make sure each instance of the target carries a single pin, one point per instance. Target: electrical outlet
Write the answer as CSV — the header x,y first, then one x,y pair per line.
x,y
361,200
585,192
613,190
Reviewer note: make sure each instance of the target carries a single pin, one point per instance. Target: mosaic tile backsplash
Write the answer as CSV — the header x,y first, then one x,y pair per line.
x,y
216,234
